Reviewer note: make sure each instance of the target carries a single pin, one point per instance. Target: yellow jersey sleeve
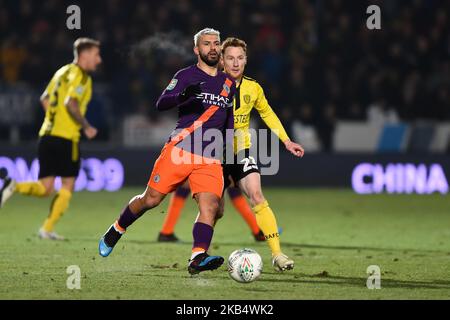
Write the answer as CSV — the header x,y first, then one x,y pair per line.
x,y
50,87
268,115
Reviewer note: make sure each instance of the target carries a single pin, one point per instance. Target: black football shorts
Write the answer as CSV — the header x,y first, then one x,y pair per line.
x,y
58,157
242,166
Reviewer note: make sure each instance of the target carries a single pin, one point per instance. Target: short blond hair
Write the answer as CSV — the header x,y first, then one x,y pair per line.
x,y
82,44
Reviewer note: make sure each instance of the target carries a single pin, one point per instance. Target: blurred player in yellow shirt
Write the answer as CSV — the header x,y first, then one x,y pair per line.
x,y
245,174
65,103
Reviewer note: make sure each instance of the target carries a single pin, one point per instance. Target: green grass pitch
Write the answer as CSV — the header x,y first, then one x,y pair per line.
x,y
332,234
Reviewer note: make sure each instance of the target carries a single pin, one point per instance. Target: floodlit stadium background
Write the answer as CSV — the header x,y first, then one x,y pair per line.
x,y
371,108
350,95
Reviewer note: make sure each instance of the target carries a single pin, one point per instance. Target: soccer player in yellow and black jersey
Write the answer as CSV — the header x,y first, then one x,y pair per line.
x,y
65,102
245,174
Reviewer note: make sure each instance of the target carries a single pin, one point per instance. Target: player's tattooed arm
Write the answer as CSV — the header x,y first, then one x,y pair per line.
x,y
74,111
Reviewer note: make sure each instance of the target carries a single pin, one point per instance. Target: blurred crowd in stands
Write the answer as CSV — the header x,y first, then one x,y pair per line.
x,y
316,59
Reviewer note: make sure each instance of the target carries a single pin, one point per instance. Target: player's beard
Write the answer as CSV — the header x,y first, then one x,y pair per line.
x,y
208,61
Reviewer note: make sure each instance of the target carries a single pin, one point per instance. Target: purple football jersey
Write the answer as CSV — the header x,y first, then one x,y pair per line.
x,y
215,90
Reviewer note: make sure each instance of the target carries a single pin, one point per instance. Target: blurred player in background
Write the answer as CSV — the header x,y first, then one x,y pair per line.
x,y
203,95
65,103
244,173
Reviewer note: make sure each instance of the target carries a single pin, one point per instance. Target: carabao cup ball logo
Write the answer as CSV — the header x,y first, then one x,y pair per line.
x,y
246,269
244,265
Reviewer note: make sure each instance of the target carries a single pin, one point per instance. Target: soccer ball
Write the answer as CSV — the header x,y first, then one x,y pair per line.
x,y
244,265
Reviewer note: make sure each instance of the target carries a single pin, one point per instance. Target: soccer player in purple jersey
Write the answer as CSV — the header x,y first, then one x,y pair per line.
x,y
204,98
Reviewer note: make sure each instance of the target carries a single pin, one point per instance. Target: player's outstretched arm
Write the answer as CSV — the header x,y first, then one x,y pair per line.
x,y
294,148
273,122
170,100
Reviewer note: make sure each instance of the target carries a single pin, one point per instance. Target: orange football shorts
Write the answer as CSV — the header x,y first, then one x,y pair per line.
x,y
175,165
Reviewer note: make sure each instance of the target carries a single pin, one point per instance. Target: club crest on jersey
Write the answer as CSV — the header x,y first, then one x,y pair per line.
x,y
246,98
172,84
156,178
79,89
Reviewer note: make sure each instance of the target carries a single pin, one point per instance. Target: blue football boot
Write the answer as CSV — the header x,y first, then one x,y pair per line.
x,y
103,248
108,241
204,262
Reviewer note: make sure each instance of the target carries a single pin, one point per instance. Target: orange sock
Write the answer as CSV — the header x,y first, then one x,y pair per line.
x,y
173,212
241,205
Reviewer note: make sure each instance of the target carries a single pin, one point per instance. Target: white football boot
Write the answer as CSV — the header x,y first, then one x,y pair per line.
x,y
50,235
9,186
282,262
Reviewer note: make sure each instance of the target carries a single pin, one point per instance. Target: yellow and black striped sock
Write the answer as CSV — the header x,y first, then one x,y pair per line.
x,y
59,205
31,188
268,225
